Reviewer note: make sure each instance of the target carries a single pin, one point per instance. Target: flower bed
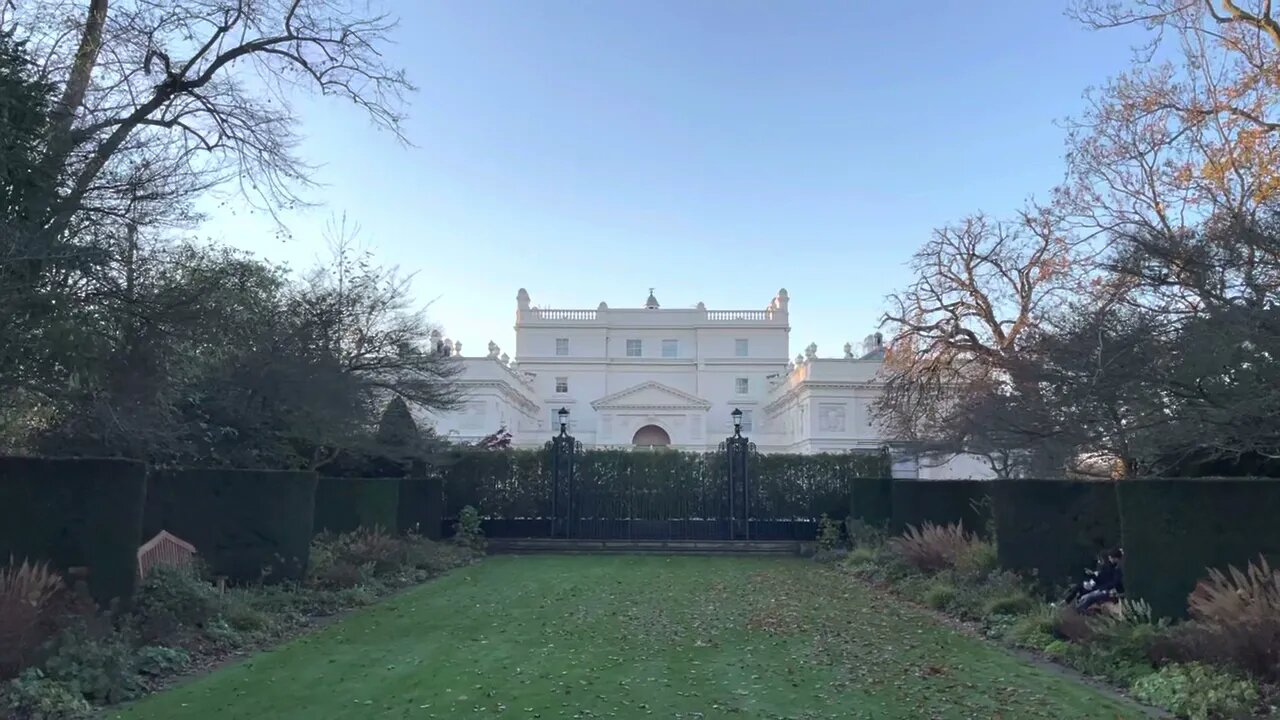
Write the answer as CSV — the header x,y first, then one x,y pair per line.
x,y
1222,663
75,657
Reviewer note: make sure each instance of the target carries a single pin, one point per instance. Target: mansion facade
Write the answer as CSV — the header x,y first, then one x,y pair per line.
x,y
654,377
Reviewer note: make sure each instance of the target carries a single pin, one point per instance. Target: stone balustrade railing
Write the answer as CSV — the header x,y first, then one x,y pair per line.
x,y
549,314
712,315
739,314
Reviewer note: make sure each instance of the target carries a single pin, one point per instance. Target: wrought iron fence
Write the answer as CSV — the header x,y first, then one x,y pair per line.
x,y
617,494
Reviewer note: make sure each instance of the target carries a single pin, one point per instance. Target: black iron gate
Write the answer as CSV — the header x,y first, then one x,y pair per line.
x,y
731,494
648,495
737,452
651,495
564,451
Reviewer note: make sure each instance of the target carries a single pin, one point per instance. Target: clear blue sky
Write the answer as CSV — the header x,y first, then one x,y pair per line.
x,y
714,149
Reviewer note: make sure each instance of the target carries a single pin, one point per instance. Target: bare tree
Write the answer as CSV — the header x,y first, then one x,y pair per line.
x,y
163,99
1184,134
1134,320
982,286
361,314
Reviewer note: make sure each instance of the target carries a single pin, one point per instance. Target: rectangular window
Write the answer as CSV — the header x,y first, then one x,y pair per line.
x,y
562,346
562,384
746,421
741,386
740,347
670,348
633,348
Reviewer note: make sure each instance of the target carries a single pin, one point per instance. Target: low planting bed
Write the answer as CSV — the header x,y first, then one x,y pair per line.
x,y
70,656
1222,663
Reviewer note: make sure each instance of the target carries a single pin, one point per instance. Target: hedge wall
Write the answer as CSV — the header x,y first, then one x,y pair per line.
x,y
502,484
421,506
1053,529
516,484
871,500
345,504
941,502
812,485
243,522
75,512
1175,529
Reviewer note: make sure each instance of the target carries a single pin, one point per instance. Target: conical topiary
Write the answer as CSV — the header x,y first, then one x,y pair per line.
x,y
397,429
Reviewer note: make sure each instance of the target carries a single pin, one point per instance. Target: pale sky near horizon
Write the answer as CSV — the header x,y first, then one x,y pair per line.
x,y
716,150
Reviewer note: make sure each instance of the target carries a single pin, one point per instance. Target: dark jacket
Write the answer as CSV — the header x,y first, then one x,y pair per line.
x,y
1110,577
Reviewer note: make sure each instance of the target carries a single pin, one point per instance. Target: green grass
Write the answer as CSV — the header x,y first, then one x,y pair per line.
x,y
634,637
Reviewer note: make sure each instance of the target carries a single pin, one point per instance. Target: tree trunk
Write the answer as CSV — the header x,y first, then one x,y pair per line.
x,y
42,235
64,112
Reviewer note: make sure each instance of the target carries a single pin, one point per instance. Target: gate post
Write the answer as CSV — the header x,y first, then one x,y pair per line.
x,y
563,449
737,449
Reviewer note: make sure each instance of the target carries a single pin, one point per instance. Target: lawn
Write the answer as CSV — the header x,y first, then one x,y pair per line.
x,y
634,637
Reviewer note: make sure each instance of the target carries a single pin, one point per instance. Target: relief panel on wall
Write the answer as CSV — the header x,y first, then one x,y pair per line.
x,y
831,417
473,417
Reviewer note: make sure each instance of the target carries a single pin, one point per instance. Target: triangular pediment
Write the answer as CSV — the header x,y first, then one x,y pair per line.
x,y
650,395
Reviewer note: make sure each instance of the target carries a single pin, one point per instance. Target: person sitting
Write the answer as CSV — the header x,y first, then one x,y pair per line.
x,y
1108,583
1086,584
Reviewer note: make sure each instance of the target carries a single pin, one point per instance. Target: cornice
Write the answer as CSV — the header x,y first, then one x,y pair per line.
x,y
795,390
627,408
560,400
700,325
779,363
600,360
506,390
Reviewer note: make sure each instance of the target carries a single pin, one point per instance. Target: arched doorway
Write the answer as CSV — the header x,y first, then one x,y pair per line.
x,y
651,436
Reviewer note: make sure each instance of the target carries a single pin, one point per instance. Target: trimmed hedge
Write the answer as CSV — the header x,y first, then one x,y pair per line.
x,y
1053,529
75,512
620,493
505,483
247,524
871,500
345,504
941,502
1175,529
786,485
517,483
421,507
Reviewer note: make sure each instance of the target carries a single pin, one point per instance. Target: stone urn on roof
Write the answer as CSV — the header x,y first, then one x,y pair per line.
x,y
651,303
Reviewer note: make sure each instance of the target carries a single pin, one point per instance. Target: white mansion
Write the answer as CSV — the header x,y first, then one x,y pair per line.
x,y
649,377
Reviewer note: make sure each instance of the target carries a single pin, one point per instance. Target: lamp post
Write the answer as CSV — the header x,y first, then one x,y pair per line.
x,y
563,448
737,449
